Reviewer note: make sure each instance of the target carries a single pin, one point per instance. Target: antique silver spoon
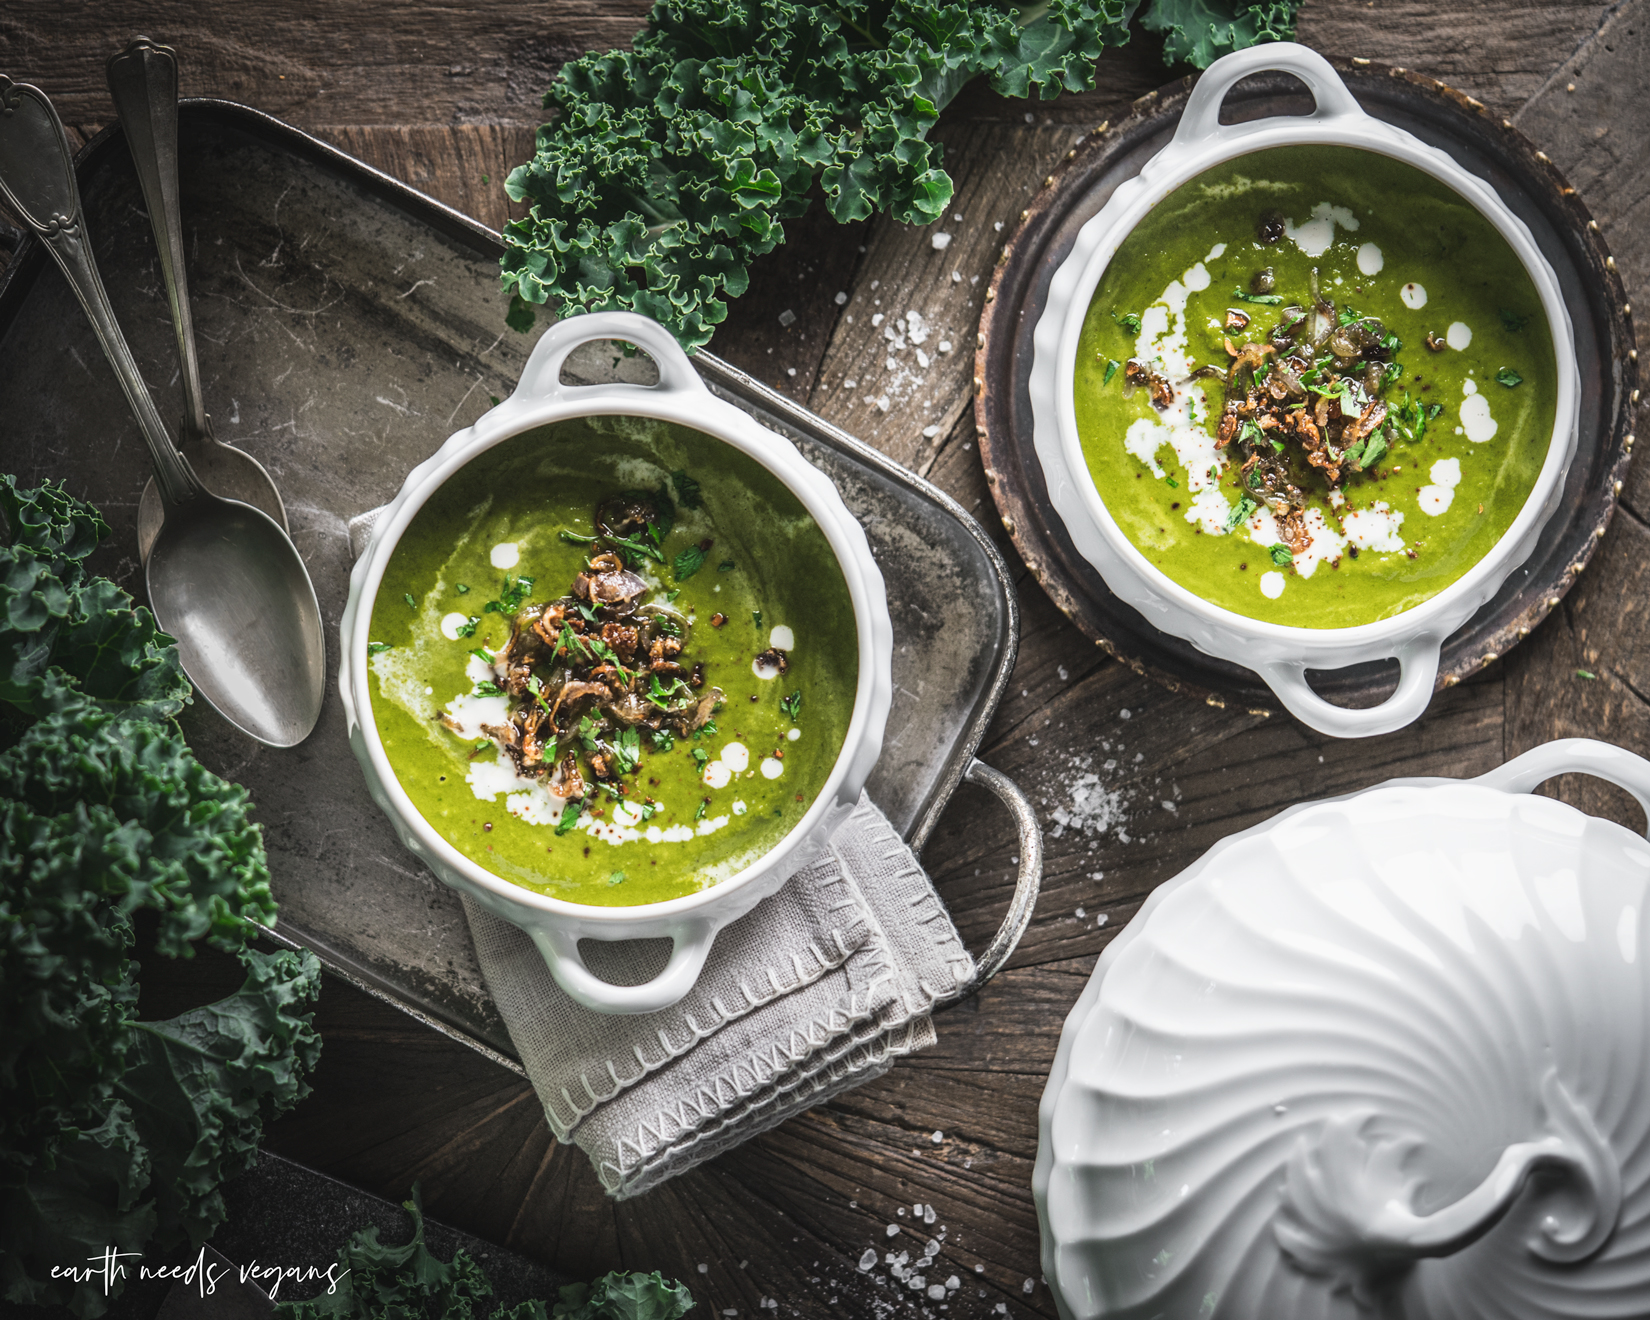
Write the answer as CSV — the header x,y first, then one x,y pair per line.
x,y
143,79
223,578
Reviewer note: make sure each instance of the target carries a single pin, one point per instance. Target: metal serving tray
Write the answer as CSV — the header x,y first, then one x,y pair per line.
x,y
348,324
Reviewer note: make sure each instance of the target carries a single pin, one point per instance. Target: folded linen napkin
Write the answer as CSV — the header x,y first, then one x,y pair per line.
x,y
817,989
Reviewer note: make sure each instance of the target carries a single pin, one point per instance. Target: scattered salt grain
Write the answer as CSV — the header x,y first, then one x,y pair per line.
x,y
929,432
790,371
704,1269
956,277
928,1215
1064,676
945,345
998,226
1081,913
1030,119
979,1269
892,1230
841,298
953,1283
1125,713
868,1260
1028,1286
940,241
877,319
940,1136
936,1292
787,317
850,384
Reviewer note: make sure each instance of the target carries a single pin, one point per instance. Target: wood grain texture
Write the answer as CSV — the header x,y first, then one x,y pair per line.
x,y
1131,782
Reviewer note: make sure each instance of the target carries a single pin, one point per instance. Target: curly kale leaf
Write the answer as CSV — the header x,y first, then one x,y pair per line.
x,y
1199,32
54,615
381,1281
115,1131
672,166
405,1282
186,1116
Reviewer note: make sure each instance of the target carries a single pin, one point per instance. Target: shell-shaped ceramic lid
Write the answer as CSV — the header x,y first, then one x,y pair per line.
x,y
1385,1055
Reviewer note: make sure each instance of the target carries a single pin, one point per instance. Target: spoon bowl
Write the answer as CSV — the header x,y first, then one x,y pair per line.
x,y
221,579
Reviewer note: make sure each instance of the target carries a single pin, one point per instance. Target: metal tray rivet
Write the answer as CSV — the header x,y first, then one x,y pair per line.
x,y
990,475
1104,125
1632,355
979,341
1566,191
1025,215
980,431
1506,123
1627,309
1609,263
1008,526
1452,680
1490,657
1002,257
1523,632
1617,488
1479,105
1599,533
1540,155
991,295
979,384
1360,62
1593,226
1048,182
1552,602
1072,154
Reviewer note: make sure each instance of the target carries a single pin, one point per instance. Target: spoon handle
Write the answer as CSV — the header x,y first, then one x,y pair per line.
x,y
37,179
143,79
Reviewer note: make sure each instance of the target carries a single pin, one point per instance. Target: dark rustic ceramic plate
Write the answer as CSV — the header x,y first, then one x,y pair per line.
x,y
1491,148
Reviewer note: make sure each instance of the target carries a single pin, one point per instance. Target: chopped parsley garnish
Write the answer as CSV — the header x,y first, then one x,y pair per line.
x,y
707,728
756,617
1172,482
667,625
1280,555
688,562
586,733
700,814
378,648
637,547
791,705
673,593
535,685
1239,514
589,614
1585,673
1508,377
1513,321
463,589
701,757
468,627
628,749
570,813
617,878
1129,321
482,744
663,739
569,641
1268,299
726,566
660,695
488,688
1111,370
411,603
573,538
482,656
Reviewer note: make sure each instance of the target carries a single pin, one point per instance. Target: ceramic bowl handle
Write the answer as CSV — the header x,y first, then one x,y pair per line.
x,y
1418,673
1201,120
541,378
1581,756
691,941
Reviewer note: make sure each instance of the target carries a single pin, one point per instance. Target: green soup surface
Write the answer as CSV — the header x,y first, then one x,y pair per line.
x,y
511,531
1434,407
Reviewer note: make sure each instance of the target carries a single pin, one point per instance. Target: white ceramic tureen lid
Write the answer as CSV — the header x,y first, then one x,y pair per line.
x,y
1384,1055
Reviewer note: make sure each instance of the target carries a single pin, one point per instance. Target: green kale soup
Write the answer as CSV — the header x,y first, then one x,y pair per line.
x,y
1315,386
613,660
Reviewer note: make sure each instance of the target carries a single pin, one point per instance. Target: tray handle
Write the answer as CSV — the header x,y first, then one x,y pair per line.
x,y
1201,120
1583,756
541,378
1417,676
1026,885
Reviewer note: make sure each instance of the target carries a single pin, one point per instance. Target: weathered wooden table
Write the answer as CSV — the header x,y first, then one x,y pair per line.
x,y
1133,782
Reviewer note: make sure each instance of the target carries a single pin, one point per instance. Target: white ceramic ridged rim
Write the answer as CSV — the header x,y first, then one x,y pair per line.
x,y
1280,653
692,920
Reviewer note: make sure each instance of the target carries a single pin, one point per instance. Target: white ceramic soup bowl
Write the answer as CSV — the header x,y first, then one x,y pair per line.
x,y
1280,654
690,922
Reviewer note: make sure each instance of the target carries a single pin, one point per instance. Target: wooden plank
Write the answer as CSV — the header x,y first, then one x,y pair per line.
x,y
1581,117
